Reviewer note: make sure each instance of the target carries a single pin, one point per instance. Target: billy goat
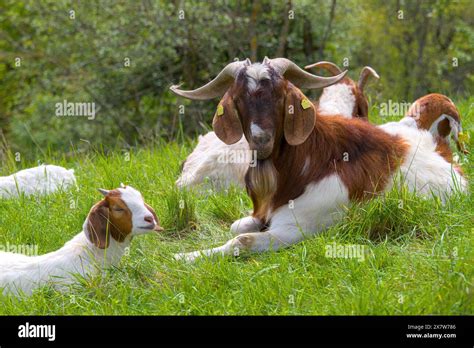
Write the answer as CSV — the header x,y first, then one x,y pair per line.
x,y
309,168
226,164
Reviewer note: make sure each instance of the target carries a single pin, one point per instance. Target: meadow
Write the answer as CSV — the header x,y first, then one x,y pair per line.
x,y
418,252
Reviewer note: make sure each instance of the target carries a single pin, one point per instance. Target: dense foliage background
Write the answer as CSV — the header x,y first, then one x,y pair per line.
x,y
123,55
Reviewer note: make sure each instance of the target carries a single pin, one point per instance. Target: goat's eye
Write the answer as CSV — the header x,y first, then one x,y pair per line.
x,y
117,209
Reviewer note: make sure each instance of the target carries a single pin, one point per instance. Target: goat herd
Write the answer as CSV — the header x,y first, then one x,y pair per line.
x,y
301,163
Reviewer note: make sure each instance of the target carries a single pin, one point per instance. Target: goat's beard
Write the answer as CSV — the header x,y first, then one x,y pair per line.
x,y
262,180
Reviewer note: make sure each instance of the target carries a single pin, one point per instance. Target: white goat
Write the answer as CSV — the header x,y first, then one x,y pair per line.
x,y
217,162
40,180
107,232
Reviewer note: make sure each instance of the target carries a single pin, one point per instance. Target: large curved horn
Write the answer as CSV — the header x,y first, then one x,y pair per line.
x,y
329,66
298,76
364,76
216,87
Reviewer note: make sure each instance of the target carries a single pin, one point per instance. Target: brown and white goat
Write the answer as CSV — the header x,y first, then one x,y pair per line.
x,y
224,164
308,167
434,112
346,97
106,234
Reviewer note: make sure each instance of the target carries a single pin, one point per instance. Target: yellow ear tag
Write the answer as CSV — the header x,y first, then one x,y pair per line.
x,y
305,103
463,137
220,110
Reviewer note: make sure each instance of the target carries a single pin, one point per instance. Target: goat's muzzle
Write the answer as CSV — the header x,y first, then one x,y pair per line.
x,y
263,145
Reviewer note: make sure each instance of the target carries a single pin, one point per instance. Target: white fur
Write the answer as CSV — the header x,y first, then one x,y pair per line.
x,y
308,215
78,257
255,73
41,180
337,99
20,273
206,161
246,224
406,121
455,126
424,170
134,201
307,162
256,130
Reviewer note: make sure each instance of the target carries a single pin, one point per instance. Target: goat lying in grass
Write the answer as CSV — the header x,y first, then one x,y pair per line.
x,y
434,112
309,168
107,231
226,164
40,180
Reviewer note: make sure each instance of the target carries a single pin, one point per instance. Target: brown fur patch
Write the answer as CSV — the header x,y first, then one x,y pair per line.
x,y
363,155
444,129
426,110
298,121
109,218
443,149
361,109
226,123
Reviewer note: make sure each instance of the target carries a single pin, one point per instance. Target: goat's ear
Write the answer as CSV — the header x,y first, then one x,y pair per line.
x,y
300,116
96,227
226,121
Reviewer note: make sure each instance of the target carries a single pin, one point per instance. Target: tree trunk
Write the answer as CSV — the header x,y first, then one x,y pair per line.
x,y
284,31
327,32
421,85
253,30
308,40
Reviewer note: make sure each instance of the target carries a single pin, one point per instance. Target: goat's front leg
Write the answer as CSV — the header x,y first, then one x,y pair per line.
x,y
290,224
246,224
253,242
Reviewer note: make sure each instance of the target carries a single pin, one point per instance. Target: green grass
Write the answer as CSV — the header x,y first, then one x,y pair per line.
x,y
419,256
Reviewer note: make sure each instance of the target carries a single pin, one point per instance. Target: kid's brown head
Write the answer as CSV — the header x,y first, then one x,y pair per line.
x,y
120,214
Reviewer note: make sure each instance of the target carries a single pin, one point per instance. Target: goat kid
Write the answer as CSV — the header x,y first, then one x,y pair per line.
x,y
213,159
41,180
107,232
310,168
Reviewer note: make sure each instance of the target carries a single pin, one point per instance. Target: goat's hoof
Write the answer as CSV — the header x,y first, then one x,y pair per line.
x,y
186,257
